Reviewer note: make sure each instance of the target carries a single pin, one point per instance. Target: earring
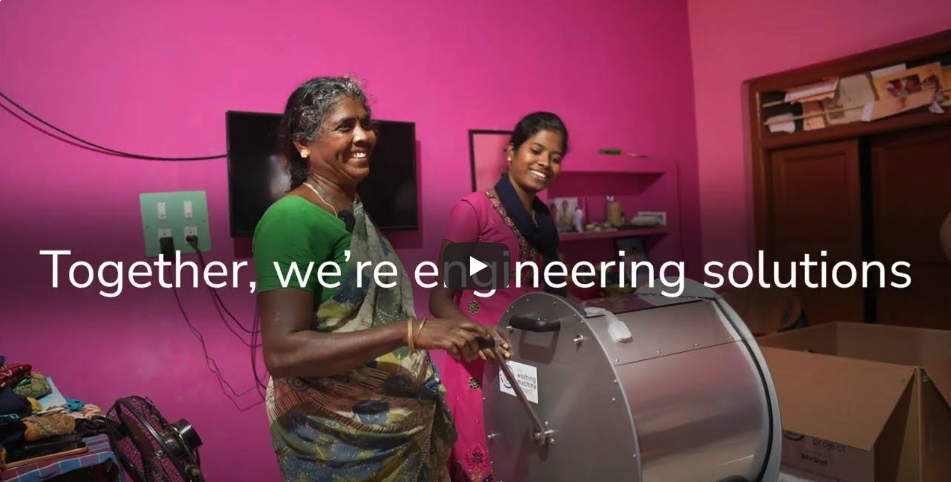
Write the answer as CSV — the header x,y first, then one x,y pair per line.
x,y
305,153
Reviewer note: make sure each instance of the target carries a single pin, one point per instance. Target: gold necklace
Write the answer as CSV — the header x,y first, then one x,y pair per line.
x,y
312,188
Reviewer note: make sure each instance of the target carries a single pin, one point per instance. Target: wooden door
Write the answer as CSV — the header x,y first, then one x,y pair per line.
x,y
814,201
911,195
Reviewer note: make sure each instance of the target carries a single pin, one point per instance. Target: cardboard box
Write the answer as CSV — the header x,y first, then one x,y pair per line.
x,y
862,402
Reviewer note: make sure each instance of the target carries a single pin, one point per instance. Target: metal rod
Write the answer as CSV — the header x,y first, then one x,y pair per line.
x,y
540,435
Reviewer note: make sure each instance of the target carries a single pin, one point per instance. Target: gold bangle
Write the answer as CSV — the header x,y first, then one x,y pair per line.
x,y
409,335
419,330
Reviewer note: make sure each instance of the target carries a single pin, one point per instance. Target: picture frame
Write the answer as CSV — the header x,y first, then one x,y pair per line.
x,y
487,160
564,212
910,81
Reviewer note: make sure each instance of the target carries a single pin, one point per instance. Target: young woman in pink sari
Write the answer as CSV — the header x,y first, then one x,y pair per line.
x,y
510,213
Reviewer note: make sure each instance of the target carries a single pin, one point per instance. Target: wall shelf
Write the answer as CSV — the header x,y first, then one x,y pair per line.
x,y
600,164
904,121
620,233
639,184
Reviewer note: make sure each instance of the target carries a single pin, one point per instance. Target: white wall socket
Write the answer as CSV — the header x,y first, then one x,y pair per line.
x,y
190,231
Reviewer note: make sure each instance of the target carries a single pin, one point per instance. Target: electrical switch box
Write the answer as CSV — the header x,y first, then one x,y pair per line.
x,y
171,214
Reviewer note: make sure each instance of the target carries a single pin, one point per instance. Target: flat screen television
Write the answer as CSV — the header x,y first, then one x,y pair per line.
x,y
257,176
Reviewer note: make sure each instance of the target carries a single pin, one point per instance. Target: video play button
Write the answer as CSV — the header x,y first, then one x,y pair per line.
x,y
476,266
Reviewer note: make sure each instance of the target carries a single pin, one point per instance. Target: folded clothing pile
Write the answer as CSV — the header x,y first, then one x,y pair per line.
x,y
32,411
13,373
46,425
13,404
35,386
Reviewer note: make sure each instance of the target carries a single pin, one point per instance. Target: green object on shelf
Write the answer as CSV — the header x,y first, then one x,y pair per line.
x,y
610,152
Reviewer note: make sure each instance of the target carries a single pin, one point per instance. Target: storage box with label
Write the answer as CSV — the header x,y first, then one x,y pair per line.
x,y
862,402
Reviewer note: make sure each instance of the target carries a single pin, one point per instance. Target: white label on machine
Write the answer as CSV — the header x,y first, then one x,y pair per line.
x,y
527,377
783,477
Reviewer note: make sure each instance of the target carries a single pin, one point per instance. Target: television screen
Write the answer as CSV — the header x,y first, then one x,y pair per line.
x,y
257,173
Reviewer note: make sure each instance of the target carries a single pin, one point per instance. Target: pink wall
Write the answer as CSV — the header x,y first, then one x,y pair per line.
x,y
737,40
157,76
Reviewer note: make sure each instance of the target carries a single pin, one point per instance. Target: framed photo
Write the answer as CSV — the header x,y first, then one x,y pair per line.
x,y
910,81
633,247
487,157
568,214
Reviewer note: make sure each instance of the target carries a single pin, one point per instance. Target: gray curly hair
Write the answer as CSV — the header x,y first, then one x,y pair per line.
x,y
306,110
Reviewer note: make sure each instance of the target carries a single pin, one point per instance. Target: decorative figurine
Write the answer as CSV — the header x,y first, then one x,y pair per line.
x,y
614,213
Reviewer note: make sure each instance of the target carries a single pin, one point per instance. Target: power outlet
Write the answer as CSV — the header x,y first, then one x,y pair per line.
x,y
177,213
166,243
190,231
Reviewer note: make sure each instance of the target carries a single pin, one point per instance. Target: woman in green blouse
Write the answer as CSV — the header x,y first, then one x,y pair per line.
x,y
353,395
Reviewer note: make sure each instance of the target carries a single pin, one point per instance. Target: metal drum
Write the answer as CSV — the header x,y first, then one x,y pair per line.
x,y
642,388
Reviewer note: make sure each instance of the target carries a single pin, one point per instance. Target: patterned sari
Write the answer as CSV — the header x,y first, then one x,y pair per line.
x,y
385,421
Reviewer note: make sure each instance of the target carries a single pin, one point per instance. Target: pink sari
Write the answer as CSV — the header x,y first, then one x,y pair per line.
x,y
479,216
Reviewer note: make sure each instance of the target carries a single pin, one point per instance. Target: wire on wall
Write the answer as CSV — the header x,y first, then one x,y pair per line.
x,y
254,331
254,344
87,144
233,396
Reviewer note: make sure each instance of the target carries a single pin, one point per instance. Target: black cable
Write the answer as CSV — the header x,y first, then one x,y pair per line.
x,y
103,149
222,303
259,384
256,343
54,136
214,293
255,330
212,365
221,315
